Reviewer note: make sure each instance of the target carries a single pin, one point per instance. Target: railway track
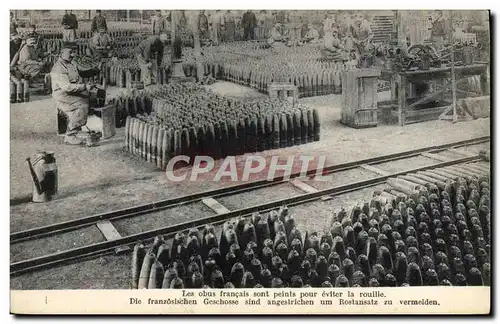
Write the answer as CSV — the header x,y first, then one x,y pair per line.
x,y
116,243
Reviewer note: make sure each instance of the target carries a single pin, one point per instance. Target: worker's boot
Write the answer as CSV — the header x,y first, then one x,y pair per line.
x,y
26,90
12,92
72,139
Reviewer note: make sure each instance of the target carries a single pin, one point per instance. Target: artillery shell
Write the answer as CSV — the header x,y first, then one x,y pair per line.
x,y
290,129
283,130
316,122
185,145
149,140
217,152
158,149
163,254
177,149
140,138
304,127
146,270
241,133
165,148
310,122
127,132
193,142
137,260
156,275
210,139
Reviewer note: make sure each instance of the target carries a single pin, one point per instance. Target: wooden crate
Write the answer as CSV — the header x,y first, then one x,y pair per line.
x,y
359,97
283,91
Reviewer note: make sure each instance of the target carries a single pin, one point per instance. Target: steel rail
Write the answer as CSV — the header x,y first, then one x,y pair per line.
x,y
62,257
71,225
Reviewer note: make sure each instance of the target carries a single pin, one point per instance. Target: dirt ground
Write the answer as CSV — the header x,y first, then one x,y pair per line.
x,y
105,178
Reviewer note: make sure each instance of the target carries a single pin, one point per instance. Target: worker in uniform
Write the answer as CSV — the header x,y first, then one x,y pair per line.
x,y
101,44
439,30
362,36
216,22
203,25
98,22
249,22
26,65
345,25
312,35
230,26
158,23
329,24
333,49
70,25
71,96
146,52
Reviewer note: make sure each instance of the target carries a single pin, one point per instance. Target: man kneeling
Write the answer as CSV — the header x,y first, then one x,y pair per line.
x,y
71,96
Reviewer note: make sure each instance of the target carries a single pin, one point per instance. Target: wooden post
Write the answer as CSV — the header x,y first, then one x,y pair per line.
x,y
140,13
173,25
402,100
453,81
197,47
128,15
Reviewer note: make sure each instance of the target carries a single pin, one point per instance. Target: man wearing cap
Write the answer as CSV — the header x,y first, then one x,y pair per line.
x,y
333,48
145,52
158,23
71,96
98,22
362,34
312,35
25,66
101,44
70,25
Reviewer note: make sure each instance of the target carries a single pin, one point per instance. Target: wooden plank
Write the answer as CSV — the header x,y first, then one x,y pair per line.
x,y
375,169
425,112
462,152
303,186
215,206
435,157
110,233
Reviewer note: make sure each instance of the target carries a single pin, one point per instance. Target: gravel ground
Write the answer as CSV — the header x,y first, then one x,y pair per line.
x,y
104,178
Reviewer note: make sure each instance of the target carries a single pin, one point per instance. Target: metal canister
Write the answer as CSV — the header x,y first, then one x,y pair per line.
x,y
44,175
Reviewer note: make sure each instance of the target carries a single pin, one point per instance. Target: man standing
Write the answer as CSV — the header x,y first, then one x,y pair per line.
x,y
149,49
70,25
329,23
439,30
230,26
71,96
203,25
158,23
249,23
216,21
98,22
